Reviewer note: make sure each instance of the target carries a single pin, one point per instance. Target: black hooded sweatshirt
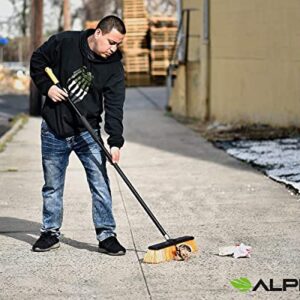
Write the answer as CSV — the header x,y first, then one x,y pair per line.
x,y
65,53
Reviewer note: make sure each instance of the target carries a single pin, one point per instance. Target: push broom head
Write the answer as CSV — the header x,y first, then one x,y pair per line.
x,y
172,249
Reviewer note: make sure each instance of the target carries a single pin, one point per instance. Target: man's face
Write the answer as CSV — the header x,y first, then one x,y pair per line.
x,y
107,44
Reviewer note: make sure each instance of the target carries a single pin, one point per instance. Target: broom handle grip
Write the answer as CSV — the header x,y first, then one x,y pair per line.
x,y
109,157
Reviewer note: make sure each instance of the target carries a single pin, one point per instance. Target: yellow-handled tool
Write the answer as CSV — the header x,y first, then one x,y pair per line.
x,y
51,75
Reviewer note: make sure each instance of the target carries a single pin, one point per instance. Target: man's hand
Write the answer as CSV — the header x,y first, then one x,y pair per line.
x,y
56,94
115,154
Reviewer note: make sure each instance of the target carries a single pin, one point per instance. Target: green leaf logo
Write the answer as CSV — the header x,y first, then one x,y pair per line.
x,y
243,284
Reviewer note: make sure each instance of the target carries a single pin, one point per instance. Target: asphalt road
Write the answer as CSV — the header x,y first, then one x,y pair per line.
x,y
10,106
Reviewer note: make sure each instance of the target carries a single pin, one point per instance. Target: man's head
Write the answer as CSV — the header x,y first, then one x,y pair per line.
x,y
108,35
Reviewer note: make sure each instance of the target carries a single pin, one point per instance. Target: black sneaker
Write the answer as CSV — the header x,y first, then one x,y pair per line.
x,y
47,241
111,246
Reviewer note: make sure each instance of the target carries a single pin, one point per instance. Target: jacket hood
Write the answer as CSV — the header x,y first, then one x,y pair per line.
x,y
91,55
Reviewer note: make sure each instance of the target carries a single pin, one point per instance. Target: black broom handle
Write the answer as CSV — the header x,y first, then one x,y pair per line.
x,y
108,155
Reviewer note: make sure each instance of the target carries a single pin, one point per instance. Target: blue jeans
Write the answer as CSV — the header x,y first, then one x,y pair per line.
x,y
55,159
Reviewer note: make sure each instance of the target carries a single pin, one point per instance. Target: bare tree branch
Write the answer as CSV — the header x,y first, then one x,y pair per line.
x,y
20,18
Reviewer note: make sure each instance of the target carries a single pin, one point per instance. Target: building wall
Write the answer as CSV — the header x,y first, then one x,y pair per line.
x,y
184,99
255,61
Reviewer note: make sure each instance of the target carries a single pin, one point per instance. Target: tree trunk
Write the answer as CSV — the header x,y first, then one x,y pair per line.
x,y
24,18
67,15
35,98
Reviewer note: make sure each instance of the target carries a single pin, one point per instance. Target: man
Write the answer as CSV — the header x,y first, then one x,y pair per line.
x,y
88,64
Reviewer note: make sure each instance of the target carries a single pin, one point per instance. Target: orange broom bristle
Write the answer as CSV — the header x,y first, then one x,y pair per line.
x,y
168,253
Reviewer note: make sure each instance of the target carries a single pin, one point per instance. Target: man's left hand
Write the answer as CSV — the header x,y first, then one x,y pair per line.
x,y
115,154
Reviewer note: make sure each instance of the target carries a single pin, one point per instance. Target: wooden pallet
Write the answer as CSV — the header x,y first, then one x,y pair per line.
x,y
160,63
136,24
159,66
140,66
134,14
132,2
91,24
161,70
133,43
163,31
136,54
160,21
161,54
136,60
161,45
163,36
132,8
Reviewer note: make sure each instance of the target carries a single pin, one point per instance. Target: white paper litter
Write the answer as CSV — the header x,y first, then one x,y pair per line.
x,y
239,250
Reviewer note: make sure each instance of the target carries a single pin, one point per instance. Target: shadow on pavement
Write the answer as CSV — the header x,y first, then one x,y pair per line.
x,y
22,230
148,124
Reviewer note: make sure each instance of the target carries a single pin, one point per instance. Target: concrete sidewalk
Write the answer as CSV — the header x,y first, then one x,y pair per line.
x,y
193,189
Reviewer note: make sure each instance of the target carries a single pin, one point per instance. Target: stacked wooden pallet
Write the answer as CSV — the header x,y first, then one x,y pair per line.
x,y
91,24
136,52
163,34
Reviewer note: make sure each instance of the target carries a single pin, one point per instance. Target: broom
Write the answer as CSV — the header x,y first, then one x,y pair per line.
x,y
173,248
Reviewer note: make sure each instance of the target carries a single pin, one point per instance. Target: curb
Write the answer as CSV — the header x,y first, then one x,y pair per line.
x,y
11,132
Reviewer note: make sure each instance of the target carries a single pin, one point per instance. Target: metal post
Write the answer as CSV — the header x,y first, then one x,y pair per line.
x,y
187,35
205,20
180,36
204,66
173,58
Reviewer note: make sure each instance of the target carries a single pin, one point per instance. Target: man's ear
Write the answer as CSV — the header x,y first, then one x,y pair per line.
x,y
98,32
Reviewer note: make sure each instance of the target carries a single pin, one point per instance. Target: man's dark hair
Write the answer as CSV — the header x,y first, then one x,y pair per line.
x,y
109,22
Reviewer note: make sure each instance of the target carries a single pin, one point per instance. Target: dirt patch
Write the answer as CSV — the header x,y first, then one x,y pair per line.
x,y
213,131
